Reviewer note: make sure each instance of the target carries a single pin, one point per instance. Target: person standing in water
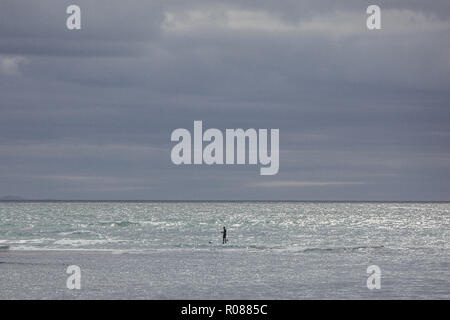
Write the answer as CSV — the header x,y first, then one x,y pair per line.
x,y
224,236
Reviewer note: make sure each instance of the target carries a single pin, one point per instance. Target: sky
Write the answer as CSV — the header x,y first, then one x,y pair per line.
x,y
87,114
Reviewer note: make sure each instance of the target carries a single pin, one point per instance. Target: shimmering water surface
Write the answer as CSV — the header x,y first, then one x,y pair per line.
x,y
276,250
271,226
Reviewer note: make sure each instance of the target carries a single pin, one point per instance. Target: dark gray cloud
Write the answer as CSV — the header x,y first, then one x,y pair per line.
x,y
88,114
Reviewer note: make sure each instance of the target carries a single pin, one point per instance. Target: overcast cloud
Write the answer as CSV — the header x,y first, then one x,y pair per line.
x,y
363,115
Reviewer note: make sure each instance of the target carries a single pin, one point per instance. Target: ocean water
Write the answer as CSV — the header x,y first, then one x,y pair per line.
x,y
288,226
285,250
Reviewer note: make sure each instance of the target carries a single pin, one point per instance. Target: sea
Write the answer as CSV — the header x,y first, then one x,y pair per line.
x,y
275,250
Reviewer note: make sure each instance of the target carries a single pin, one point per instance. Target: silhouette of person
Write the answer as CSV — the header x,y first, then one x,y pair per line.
x,y
224,235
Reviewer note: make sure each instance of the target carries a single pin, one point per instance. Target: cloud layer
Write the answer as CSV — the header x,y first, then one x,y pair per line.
x,y
363,115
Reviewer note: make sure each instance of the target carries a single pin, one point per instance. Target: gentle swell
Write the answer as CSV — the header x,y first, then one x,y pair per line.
x,y
329,249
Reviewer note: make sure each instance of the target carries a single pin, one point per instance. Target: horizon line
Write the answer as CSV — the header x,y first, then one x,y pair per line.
x,y
217,200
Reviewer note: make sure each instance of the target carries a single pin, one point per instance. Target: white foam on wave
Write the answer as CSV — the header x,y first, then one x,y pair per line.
x,y
112,251
27,241
85,242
